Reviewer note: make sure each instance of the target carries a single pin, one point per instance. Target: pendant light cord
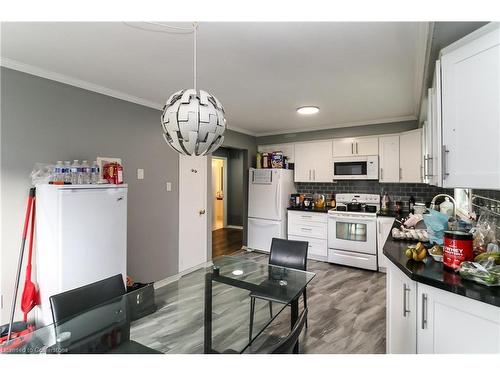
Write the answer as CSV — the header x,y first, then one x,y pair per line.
x,y
195,32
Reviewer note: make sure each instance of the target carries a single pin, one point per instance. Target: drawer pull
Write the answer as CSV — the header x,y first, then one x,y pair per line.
x,y
308,229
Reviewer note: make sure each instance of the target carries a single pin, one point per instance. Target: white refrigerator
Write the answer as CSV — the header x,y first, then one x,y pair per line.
x,y
268,196
81,237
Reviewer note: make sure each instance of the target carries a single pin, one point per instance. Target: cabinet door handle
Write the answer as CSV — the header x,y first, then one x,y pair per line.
x,y
310,175
314,174
381,173
352,148
445,153
305,217
400,173
405,310
307,229
424,311
356,148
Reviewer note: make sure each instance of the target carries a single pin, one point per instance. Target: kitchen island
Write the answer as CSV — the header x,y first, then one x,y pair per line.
x,y
433,310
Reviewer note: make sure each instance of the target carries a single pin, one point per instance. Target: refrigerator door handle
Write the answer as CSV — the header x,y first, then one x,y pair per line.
x,y
277,201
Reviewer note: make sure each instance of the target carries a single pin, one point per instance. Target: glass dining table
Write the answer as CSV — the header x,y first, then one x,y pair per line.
x,y
206,311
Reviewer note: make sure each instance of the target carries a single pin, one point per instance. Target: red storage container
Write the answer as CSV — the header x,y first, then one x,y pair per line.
x,y
457,249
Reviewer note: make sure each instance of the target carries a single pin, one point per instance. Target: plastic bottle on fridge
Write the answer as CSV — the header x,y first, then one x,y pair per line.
x,y
67,172
75,172
95,173
58,171
86,172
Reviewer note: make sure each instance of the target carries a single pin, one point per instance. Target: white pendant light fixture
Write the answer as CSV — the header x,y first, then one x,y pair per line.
x,y
193,120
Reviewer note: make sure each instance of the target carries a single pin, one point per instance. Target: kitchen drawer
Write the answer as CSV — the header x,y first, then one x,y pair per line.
x,y
307,229
318,248
315,217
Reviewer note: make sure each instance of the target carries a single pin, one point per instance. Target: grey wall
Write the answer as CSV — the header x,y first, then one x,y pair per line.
x,y
46,121
354,131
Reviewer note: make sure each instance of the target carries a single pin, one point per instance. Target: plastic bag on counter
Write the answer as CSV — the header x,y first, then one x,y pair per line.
x,y
436,224
41,173
485,233
486,272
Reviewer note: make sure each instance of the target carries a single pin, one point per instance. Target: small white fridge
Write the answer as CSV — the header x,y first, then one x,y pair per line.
x,y
81,237
268,197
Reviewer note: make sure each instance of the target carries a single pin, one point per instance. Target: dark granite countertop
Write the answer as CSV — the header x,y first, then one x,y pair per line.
x,y
303,209
402,214
432,273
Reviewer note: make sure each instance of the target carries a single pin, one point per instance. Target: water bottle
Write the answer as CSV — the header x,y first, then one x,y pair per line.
x,y
67,171
86,171
95,173
58,171
75,172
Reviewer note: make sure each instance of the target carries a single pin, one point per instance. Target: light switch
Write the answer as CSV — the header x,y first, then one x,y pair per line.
x,y
140,174
169,186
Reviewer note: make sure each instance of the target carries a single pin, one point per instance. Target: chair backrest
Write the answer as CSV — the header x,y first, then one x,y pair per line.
x,y
94,315
75,301
288,253
286,346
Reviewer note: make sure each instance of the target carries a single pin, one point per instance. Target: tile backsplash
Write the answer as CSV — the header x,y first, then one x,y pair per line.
x,y
397,191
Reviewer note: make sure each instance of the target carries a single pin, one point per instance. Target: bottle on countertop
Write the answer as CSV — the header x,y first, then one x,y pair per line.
x,y
67,172
95,173
75,172
386,202
58,171
411,204
333,202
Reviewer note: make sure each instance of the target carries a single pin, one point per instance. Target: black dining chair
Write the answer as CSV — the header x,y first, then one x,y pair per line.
x,y
283,253
94,319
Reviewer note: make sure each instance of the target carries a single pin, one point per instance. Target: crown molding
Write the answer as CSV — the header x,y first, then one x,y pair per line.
x,y
36,71
241,130
341,125
423,47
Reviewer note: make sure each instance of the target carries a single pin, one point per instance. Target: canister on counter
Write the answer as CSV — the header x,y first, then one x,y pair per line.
x,y
457,248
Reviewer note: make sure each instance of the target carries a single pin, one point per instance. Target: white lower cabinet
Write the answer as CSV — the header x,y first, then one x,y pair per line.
x,y
310,227
448,323
401,312
426,320
384,226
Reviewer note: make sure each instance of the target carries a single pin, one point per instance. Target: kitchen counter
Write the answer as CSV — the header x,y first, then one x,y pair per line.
x,y
432,273
319,210
394,214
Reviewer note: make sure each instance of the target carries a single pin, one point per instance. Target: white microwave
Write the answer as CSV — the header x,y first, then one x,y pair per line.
x,y
356,168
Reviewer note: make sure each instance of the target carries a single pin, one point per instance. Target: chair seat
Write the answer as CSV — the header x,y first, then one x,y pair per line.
x,y
133,347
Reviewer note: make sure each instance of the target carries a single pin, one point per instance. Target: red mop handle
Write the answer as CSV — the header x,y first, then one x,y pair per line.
x,y
28,212
32,235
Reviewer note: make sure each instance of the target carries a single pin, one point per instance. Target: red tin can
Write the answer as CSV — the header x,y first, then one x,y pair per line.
x,y
457,249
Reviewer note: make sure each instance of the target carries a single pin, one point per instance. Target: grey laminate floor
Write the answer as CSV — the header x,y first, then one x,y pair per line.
x,y
346,315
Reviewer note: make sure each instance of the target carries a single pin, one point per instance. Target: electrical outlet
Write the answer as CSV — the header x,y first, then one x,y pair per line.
x,y
169,186
140,174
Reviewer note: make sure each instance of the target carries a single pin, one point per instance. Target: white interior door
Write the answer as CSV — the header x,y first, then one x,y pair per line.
x,y
193,228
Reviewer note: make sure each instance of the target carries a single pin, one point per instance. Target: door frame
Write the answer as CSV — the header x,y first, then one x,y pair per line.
x,y
224,187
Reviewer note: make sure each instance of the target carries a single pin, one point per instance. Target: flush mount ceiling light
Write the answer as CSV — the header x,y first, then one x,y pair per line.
x,y
308,110
193,120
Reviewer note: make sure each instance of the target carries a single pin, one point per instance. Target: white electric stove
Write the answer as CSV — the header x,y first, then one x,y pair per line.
x,y
352,231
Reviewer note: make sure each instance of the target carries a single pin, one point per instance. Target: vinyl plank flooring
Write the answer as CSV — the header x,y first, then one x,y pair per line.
x,y
226,241
346,315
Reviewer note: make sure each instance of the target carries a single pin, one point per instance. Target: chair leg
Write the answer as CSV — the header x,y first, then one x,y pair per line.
x,y
304,295
271,308
252,311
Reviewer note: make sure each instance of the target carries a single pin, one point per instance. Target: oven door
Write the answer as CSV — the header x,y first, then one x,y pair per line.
x,y
351,233
350,168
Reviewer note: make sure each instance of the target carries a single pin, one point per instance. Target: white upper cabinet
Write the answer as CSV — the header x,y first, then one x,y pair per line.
x,y
471,111
287,149
410,156
314,161
366,146
355,146
389,158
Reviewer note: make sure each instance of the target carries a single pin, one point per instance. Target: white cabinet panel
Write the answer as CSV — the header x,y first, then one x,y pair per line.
x,y
410,156
355,146
318,249
343,147
312,217
389,158
384,226
366,146
452,324
470,113
401,312
314,161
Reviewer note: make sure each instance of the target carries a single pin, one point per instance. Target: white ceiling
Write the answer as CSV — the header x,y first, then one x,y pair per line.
x,y
357,73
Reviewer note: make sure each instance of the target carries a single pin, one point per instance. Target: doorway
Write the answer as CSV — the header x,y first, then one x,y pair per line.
x,y
228,200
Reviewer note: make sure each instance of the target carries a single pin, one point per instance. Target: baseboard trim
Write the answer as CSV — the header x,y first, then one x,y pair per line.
x,y
234,227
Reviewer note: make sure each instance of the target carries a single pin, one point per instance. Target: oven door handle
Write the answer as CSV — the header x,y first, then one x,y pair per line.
x,y
352,220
